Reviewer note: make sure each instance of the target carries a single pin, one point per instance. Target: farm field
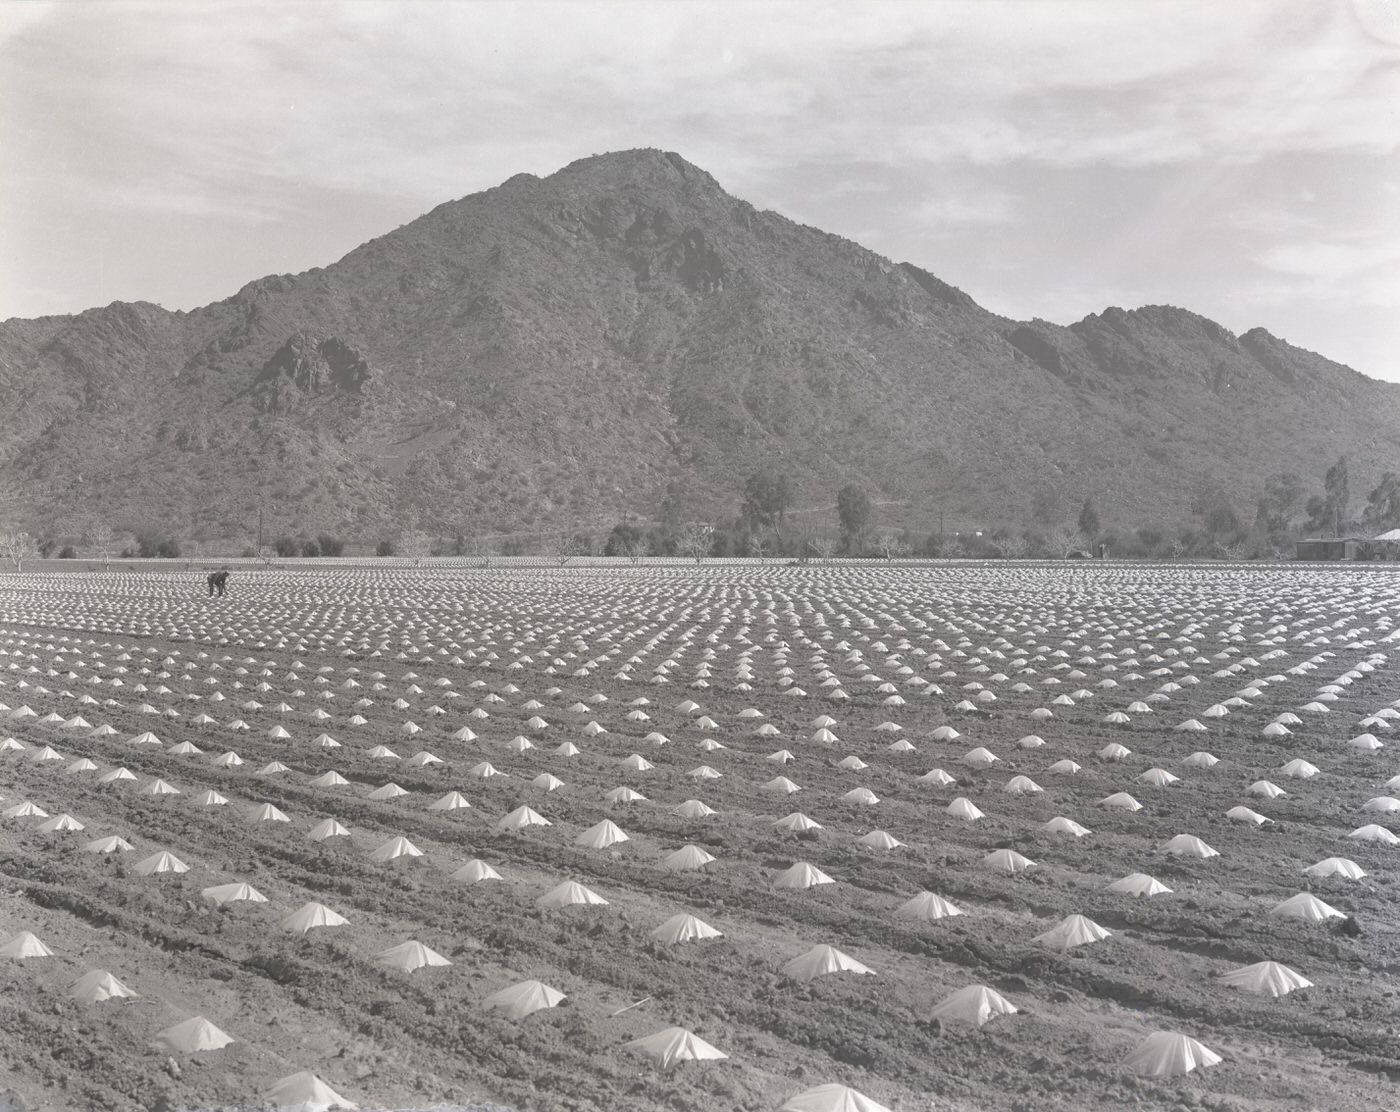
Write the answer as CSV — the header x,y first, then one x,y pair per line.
x,y
618,695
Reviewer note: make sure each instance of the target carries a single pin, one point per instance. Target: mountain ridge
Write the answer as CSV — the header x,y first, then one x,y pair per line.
x,y
622,335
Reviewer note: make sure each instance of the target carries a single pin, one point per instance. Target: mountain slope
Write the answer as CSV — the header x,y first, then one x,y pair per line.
x,y
552,352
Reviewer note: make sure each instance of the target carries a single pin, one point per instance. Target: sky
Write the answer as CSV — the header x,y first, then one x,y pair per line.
x,y
1052,158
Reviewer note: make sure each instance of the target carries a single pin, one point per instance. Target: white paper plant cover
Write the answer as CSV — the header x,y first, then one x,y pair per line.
x,y
688,857
801,875
1188,845
1166,1053
192,1036
230,893
684,928
879,839
821,960
1139,884
975,1004
24,945
327,828
521,999
522,817
671,1045
1307,907
395,848
311,915
98,985
113,843
1007,861
305,1092
567,893
475,871
1336,866
162,862
1073,930
1267,978
601,835
832,1098
927,907
409,956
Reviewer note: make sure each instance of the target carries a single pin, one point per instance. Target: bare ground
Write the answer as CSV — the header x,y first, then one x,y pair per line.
x,y
389,1039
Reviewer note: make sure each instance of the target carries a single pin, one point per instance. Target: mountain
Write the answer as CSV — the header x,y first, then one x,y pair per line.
x,y
552,352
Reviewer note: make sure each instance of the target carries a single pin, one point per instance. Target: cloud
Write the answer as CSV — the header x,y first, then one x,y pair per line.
x,y
938,213
1161,149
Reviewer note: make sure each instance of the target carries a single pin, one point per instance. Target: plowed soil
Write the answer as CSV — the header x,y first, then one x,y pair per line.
x,y
149,652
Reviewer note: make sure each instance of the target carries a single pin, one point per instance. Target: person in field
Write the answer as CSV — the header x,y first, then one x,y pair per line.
x,y
217,580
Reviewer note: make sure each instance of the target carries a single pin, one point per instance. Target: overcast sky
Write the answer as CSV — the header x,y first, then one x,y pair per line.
x,y
1050,157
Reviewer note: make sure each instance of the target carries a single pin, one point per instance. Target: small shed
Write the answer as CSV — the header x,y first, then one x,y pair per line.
x,y
1330,548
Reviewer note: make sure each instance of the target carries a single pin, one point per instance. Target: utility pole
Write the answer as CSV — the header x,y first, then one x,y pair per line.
x,y
260,535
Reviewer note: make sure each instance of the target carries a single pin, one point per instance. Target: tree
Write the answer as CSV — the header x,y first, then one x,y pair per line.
x,y
696,538
18,546
767,498
1014,546
100,536
855,511
623,536
673,506
1335,487
565,548
1151,538
1089,520
1047,508
1233,552
1218,517
414,544
891,546
823,548
1283,491
1062,542
329,545
480,550
1382,510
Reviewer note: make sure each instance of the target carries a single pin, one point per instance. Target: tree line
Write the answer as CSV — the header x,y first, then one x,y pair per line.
x,y
767,524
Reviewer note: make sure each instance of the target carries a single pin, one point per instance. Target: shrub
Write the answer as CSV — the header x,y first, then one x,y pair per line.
x,y
622,539
67,553
285,546
385,548
311,550
330,546
168,549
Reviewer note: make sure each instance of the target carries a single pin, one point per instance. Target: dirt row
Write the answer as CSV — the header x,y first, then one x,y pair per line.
x,y
390,1039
